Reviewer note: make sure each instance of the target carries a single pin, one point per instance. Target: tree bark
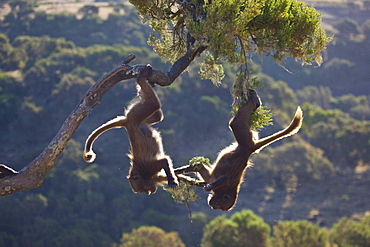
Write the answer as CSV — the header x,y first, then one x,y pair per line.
x,y
33,174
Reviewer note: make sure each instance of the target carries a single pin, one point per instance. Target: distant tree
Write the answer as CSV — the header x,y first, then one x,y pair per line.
x,y
320,96
19,18
309,162
220,232
5,48
9,101
9,59
150,236
22,7
228,30
300,233
244,228
347,232
356,106
348,137
36,48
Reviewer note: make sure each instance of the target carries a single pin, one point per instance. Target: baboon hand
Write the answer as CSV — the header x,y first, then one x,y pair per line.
x,y
172,183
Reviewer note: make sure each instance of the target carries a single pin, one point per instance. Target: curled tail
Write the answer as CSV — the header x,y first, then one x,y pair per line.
x,y
293,128
118,122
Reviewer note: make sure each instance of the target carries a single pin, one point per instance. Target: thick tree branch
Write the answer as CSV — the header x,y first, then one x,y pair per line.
x,y
182,63
32,175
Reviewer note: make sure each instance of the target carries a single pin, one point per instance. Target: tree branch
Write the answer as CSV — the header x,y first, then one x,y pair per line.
x,y
32,175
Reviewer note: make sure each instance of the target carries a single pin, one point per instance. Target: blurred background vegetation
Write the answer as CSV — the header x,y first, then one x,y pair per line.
x,y
308,190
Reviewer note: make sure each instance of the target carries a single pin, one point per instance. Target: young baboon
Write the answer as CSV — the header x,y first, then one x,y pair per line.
x,y
226,175
146,154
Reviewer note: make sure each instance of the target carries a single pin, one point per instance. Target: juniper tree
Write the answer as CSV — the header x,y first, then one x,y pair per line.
x,y
231,31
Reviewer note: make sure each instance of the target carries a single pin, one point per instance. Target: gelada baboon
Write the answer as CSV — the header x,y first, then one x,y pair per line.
x,y
226,175
146,154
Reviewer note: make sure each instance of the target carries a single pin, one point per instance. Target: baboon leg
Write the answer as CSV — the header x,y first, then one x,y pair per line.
x,y
218,183
167,167
145,126
149,103
156,117
240,124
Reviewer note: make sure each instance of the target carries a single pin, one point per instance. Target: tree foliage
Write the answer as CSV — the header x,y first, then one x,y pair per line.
x,y
233,29
150,236
300,233
244,228
347,232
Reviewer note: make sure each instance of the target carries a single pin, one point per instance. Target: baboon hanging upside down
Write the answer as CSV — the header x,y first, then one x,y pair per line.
x,y
226,175
146,154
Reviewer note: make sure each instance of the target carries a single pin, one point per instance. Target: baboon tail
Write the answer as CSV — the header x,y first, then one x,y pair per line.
x,y
293,128
118,122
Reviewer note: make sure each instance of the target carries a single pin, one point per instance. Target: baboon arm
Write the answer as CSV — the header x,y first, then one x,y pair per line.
x,y
191,181
293,128
117,122
199,167
218,183
171,178
183,178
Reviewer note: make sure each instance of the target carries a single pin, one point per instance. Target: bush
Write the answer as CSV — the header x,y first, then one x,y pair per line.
x,y
300,233
150,236
349,232
243,229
